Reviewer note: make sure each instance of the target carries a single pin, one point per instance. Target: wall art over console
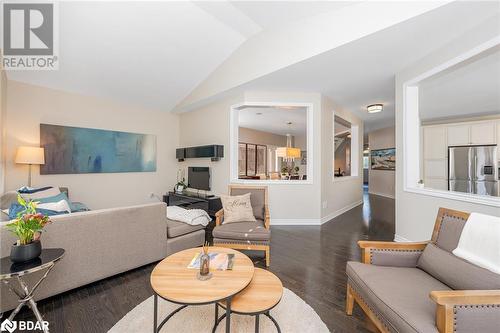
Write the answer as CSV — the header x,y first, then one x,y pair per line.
x,y
70,150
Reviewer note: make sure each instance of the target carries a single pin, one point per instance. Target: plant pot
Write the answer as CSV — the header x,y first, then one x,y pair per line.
x,y
23,253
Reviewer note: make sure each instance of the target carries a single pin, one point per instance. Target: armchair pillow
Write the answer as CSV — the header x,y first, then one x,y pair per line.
x,y
237,208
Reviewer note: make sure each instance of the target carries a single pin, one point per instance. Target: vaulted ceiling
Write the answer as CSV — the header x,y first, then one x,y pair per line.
x,y
174,56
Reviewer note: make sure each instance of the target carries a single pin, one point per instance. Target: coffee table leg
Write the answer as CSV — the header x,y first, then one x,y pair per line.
x,y
228,315
216,313
256,323
268,314
155,320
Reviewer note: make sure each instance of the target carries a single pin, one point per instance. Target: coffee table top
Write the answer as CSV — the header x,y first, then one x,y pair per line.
x,y
261,295
48,257
173,281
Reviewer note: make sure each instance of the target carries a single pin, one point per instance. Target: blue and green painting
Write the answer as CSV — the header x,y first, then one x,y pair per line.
x,y
70,150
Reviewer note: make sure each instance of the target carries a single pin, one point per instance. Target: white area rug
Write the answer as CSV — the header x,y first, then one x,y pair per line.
x,y
292,314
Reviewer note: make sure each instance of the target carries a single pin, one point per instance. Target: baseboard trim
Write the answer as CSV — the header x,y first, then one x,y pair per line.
x,y
295,222
398,238
391,196
341,211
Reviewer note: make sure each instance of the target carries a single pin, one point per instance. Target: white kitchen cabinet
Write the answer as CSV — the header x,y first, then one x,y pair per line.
x,y
498,140
482,133
435,142
458,135
436,168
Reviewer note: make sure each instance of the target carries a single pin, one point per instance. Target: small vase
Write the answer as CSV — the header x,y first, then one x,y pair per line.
x,y
204,264
204,273
23,253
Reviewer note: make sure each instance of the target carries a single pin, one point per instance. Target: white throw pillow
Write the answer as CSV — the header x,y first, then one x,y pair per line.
x,y
50,192
60,206
237,208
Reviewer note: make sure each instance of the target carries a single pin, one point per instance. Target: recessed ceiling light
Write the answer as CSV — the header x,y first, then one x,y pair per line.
x,y
374,108
259,113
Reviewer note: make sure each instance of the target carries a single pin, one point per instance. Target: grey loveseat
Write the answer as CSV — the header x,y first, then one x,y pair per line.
x,y
423,287
102,243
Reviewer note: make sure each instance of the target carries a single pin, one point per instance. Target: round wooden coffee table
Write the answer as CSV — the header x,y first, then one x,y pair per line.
x,y
174,282
259,297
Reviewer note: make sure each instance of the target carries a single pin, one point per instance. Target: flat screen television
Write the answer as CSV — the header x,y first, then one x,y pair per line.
x,y
199,178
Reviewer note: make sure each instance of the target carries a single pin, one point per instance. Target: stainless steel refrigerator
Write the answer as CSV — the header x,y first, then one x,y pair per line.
x,y
473,169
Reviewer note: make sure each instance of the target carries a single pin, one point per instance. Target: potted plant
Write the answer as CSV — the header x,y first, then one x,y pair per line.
x,y
180,186
27,227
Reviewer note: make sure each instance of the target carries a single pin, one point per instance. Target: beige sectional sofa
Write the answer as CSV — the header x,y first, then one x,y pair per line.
x,y
102,243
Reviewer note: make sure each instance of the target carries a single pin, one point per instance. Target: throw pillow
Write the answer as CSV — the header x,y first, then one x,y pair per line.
x,y
46,192
237,208
55,199
59,206
17,208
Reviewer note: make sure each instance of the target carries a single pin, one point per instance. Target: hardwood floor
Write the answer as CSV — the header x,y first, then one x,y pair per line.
x,y
310,261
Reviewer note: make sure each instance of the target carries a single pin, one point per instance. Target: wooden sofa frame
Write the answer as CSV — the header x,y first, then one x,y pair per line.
x,y
445,300
266,248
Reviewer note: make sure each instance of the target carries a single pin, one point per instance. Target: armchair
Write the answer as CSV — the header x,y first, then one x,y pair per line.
x,y
423,287
246,235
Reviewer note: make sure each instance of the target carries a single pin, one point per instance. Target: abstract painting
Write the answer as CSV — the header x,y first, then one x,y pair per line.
x,y
70,150
383,159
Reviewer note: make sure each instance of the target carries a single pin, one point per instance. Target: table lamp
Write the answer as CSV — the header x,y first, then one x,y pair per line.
x,y
30,156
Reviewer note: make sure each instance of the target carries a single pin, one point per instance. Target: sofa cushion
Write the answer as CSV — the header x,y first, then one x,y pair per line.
x,y
399,296
176,228
444,266
257,199
449,232
243,231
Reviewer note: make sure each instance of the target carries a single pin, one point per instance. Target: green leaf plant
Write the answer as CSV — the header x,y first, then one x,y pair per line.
x,y
28,224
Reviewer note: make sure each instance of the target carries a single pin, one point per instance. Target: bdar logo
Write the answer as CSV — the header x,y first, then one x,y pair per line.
x,y
8,325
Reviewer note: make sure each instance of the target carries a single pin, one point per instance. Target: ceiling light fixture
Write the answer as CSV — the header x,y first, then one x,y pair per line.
x,y
374,108
288,153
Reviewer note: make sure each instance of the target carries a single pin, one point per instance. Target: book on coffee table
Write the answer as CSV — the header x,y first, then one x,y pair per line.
x,y
218,261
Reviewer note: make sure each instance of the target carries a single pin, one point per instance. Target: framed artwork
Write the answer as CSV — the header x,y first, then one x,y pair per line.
x,y
383,159
73,150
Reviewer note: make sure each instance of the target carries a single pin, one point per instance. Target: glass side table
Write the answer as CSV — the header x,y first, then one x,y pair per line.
x,y
10,272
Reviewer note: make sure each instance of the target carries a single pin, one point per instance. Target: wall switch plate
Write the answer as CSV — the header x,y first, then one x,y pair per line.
x,y
325,204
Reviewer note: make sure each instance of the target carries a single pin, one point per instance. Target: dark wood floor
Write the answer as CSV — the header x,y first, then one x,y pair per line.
x,y
309,260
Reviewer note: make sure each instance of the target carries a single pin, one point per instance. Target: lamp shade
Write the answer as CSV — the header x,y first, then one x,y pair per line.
x,y
30,155
288,152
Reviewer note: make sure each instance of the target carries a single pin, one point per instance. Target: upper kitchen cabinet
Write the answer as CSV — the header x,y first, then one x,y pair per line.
x,y
482,133
435,142
458,135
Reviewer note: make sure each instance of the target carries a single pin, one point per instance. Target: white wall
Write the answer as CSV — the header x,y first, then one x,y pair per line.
x,y
382,182
339,195
416,213
3,108
290,203
28,106
248,135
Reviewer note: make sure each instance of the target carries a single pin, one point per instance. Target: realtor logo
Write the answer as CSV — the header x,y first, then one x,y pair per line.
x,y
29,36
8,325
